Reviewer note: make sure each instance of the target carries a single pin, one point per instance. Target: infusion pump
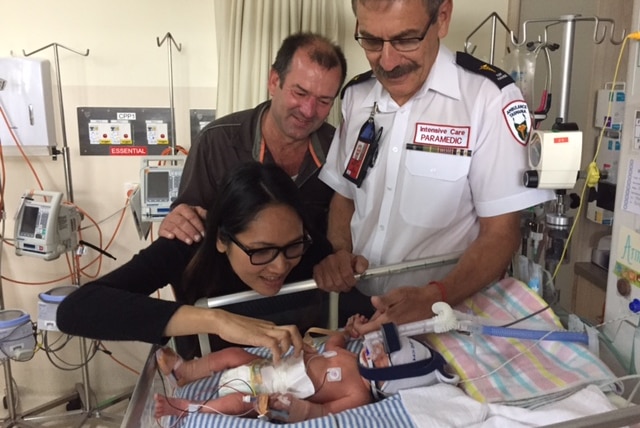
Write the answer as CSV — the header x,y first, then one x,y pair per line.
x,y
159,185
46,228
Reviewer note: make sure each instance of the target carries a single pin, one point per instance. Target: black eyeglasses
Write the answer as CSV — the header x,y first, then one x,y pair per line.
x,y
264,255
403,44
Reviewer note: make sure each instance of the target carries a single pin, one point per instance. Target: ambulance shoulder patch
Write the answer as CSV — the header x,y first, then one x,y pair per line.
x,y
363,77
516,115
493,73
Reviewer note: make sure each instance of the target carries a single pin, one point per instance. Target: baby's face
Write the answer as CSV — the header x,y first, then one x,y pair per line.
x,y
377,355
378,358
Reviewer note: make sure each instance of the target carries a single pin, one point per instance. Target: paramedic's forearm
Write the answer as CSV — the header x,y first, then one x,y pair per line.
x,y
341,210
486,259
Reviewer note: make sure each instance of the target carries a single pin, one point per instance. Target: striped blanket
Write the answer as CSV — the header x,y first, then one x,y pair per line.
x,y
524,373
539,373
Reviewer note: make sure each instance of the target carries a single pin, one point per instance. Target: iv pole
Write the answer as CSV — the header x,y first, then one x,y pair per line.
x,y
567,47
83,390
495,19
558,222
171,41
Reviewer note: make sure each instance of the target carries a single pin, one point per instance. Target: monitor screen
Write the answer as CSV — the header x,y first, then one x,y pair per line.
x,y
29,220
158,185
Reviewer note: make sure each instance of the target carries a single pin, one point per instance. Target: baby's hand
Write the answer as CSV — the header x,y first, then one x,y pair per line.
x,y
287,408
353,324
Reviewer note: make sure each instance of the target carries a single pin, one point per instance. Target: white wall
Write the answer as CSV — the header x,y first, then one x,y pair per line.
x,y
125,68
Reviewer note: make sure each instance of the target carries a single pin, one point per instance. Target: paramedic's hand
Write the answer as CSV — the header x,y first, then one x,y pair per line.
x,y
336,271
400,306
255,332
184,222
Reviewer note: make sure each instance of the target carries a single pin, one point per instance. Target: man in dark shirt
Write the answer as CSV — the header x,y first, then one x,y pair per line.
x,y
288,130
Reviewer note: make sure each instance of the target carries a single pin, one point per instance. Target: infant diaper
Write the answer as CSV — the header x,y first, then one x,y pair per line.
x,y
263,377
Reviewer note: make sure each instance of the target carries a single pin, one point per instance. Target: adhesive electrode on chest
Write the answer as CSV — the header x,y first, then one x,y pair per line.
x,y
334,374
365,150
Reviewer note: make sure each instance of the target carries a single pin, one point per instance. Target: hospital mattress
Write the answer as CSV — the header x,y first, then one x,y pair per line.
x,y
545,372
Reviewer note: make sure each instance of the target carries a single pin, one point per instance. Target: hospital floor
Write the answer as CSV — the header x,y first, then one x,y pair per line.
x,y
59,417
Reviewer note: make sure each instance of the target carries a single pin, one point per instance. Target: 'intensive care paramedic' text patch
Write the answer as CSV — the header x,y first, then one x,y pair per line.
x,y
445,139
452,137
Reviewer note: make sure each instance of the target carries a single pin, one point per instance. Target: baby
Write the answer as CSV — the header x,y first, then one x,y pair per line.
x,y
310,386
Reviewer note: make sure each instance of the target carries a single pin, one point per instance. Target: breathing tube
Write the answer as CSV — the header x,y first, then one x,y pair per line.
x,y
447,319
521,333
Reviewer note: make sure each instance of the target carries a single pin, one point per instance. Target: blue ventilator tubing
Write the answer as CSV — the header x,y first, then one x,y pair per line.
x,y
517,333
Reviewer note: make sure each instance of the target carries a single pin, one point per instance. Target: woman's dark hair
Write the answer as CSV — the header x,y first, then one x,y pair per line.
x,y
244,193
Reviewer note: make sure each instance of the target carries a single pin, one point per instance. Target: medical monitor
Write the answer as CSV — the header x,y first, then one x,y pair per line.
x,y
160,182
45,227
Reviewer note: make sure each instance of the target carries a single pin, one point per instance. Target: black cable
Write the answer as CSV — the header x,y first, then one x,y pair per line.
x,y
98,249
527,317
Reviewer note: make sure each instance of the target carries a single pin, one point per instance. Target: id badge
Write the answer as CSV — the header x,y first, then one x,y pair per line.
x,y
364,152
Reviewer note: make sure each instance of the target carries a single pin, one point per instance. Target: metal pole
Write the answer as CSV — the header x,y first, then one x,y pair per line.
x,y
492,51
567,63
171,106
65,149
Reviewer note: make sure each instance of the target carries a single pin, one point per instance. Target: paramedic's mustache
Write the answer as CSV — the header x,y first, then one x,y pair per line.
x,y
395,72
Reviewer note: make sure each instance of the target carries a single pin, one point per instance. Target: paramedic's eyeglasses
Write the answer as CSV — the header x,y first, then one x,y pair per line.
x,y
403,44
264,255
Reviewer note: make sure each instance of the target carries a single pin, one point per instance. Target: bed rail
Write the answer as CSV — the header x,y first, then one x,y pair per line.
x,y
295,287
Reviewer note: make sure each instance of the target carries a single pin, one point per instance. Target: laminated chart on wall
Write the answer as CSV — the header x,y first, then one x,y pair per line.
x,y
631,195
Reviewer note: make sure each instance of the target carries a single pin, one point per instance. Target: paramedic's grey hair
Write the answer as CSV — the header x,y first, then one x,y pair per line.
x,y
431,6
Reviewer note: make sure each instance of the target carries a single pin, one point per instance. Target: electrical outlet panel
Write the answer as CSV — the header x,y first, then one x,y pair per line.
x,y
123,131
157,132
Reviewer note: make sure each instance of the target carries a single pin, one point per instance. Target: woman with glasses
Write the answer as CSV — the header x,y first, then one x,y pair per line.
x,y
255,235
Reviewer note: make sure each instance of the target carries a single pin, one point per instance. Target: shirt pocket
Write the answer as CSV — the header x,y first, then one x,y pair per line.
x,y
434,187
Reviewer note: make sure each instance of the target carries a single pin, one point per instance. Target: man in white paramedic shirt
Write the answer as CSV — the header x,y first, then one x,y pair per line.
x,y
447,177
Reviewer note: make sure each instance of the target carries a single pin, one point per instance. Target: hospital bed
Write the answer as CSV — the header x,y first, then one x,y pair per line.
x,y
396,410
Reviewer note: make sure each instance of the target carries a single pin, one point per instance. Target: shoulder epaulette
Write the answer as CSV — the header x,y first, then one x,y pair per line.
x,y
491,72
355,80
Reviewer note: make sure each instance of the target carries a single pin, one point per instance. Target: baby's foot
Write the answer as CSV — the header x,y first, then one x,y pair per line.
x,y
170,365
166,406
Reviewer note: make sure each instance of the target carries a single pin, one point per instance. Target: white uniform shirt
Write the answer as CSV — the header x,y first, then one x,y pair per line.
x,y
414,202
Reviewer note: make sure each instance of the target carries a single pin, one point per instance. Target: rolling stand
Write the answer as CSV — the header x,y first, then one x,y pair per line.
x,y
80,405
